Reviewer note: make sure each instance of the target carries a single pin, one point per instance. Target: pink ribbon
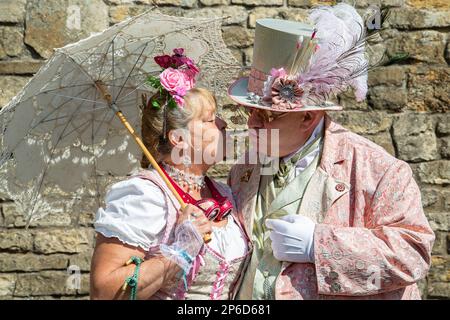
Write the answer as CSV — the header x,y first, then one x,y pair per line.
x,y
196,265
220,281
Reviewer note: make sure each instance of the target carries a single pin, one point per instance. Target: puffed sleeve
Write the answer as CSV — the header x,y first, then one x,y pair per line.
x,y
135,213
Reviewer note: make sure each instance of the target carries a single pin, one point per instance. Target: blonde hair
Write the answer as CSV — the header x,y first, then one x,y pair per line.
x,y
197,102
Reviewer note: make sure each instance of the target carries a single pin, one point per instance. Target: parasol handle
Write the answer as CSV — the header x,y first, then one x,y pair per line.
x,y
206,237
100,86
149,157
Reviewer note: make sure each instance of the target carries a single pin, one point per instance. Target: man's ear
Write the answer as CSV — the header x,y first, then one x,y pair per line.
x,y
310,120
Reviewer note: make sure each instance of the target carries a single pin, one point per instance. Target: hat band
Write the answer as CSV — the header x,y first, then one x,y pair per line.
x,y
256,81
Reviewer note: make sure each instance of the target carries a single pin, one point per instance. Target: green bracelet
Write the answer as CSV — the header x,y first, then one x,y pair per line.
x,y
133,280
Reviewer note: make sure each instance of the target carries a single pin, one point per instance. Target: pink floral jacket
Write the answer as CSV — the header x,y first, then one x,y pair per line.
x,y
372,239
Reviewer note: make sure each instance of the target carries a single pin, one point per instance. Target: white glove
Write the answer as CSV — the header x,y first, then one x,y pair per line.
x,y
292,238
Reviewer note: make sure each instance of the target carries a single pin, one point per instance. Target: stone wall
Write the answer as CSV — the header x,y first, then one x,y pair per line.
x,y
406,113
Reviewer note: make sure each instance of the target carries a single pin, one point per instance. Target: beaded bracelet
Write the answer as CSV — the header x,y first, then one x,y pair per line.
x,y
186,256
132,281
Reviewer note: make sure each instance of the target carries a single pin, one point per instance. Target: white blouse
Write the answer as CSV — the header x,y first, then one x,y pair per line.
x,y
136,214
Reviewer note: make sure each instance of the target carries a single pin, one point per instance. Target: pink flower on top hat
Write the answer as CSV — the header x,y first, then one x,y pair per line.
x,y
286,93
274,74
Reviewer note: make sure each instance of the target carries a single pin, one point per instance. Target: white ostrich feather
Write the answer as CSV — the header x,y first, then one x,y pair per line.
x,y
340,60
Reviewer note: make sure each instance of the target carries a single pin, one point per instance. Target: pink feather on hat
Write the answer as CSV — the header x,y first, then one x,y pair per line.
x,y
339,61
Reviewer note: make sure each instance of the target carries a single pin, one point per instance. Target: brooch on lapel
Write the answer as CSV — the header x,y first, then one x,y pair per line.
x,y
246,176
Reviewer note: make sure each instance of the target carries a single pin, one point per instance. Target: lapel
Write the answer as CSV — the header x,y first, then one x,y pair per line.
x,y
249,183
290,194
320,194
323,189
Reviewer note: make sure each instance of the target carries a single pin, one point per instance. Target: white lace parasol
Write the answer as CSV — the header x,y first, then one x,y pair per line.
x,y
61,141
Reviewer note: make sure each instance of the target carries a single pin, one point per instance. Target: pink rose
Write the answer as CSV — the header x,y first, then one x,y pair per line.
x,y
178,51
192,68
163,61
178,57
179,100
175,81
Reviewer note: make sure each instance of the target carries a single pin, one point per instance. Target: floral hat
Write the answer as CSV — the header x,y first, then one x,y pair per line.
x,y
176,79
300,66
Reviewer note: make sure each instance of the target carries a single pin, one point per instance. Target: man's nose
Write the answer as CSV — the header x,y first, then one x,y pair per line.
x,y
254,121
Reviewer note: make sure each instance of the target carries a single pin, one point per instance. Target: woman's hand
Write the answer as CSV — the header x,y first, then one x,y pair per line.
x,y
197,217
190,232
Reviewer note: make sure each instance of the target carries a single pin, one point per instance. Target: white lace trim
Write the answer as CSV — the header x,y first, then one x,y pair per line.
x,y
109,234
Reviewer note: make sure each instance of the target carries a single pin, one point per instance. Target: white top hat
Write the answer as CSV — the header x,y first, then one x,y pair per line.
x,y
299,66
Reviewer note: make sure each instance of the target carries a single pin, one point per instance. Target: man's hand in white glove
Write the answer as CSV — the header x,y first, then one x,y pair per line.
x,y
292,238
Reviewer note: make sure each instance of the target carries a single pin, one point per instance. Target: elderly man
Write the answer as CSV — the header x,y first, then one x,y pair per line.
x,y
340,218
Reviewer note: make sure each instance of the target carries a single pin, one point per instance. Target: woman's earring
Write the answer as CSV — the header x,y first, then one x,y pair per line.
x,y
186,161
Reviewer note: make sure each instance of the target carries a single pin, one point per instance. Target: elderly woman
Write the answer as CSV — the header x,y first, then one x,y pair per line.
x,y
142,218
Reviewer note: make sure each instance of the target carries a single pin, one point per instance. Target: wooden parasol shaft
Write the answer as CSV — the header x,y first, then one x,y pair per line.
x,y
149,157
105,94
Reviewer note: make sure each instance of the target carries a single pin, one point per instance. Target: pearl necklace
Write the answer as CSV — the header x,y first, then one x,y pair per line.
x,y
192,181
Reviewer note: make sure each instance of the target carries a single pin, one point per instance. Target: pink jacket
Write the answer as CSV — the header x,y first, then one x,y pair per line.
x,y
372,239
